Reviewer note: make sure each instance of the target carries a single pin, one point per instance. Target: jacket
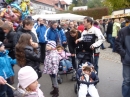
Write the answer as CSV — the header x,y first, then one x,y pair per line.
x,y
40,33
51,63
92,76
109,28
116,28
93,37
2,35
20,92
5,65
64,55
74,48
55,35
32,57
122,45
20,32
9,37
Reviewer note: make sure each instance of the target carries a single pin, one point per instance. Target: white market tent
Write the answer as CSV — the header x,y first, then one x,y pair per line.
x,y
68,16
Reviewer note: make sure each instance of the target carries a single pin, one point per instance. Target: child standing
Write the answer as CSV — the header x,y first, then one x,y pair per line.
x,y
67,65
28,85
6,71
51,65
87,81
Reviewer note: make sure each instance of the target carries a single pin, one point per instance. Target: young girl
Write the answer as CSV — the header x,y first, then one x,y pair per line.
x,y
87,81
67,65
27,52
51,65
6,71
28,85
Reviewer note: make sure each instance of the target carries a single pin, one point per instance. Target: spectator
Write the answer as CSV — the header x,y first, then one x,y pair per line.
x,y
1,31
123,22
81,27
116,28
92,38
28,52
109,32
54,34
41,29
6,71
51,65
27,27
122,46
8,42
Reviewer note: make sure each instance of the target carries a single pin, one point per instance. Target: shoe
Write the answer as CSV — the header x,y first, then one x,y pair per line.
x,y
56,92
103,48
109,47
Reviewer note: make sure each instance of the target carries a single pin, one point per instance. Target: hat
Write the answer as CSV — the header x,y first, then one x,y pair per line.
x,y
26,76
52,44
1,43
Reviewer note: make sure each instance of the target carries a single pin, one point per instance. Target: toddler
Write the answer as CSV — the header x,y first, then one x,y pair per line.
x,y
67,65
87,81
28,85
6,71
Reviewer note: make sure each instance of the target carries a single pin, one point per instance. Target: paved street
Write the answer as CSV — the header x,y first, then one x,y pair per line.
x,y
110,74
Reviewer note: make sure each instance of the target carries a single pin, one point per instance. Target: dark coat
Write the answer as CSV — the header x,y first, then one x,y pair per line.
x,y
32,57
20,32
122,45
2,35
71,43
9,43
109,28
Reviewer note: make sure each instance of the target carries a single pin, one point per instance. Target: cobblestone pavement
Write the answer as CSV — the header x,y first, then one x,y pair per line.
x,y
107,54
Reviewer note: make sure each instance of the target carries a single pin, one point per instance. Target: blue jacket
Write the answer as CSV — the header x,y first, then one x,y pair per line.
x,y
41,33
52,34
6,65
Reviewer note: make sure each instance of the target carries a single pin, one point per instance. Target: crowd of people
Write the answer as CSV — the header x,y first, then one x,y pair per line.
x,y
45,42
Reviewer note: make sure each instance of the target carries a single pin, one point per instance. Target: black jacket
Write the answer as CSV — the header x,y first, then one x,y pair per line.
x,y
109,28
122,45
20,32
71,43
2,35
9,43
9,37
32,57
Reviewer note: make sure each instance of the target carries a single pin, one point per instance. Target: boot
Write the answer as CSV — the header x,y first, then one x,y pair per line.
x,y
56,92
52,92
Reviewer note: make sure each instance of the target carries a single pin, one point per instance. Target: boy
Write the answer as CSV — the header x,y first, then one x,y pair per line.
x,y
51,65
87,81
5,71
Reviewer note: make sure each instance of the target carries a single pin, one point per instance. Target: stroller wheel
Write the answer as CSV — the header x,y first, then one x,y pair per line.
x,y
60,80
73,78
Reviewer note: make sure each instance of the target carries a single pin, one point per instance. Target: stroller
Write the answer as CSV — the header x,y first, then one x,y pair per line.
x,y
82,58
61,72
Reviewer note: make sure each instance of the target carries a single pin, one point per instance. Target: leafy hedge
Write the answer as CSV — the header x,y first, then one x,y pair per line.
x,y
96,13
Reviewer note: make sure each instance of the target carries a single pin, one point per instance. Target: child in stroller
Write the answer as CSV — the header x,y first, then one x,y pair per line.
x,y
86,81
65,65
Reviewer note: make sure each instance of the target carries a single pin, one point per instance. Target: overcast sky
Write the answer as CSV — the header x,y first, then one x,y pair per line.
x,y
68,1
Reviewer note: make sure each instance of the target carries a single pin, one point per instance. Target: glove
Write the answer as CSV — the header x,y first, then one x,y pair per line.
x,y
53,75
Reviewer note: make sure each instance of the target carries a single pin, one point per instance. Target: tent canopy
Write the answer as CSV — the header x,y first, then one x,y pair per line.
x,y
68,16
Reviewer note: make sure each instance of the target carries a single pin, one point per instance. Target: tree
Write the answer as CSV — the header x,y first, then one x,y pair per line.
x,y
94,3
71,6
79,2
75,2
116,5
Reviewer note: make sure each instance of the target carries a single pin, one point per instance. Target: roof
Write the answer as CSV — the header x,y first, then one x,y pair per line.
x,y
49,2
57,8
63,3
